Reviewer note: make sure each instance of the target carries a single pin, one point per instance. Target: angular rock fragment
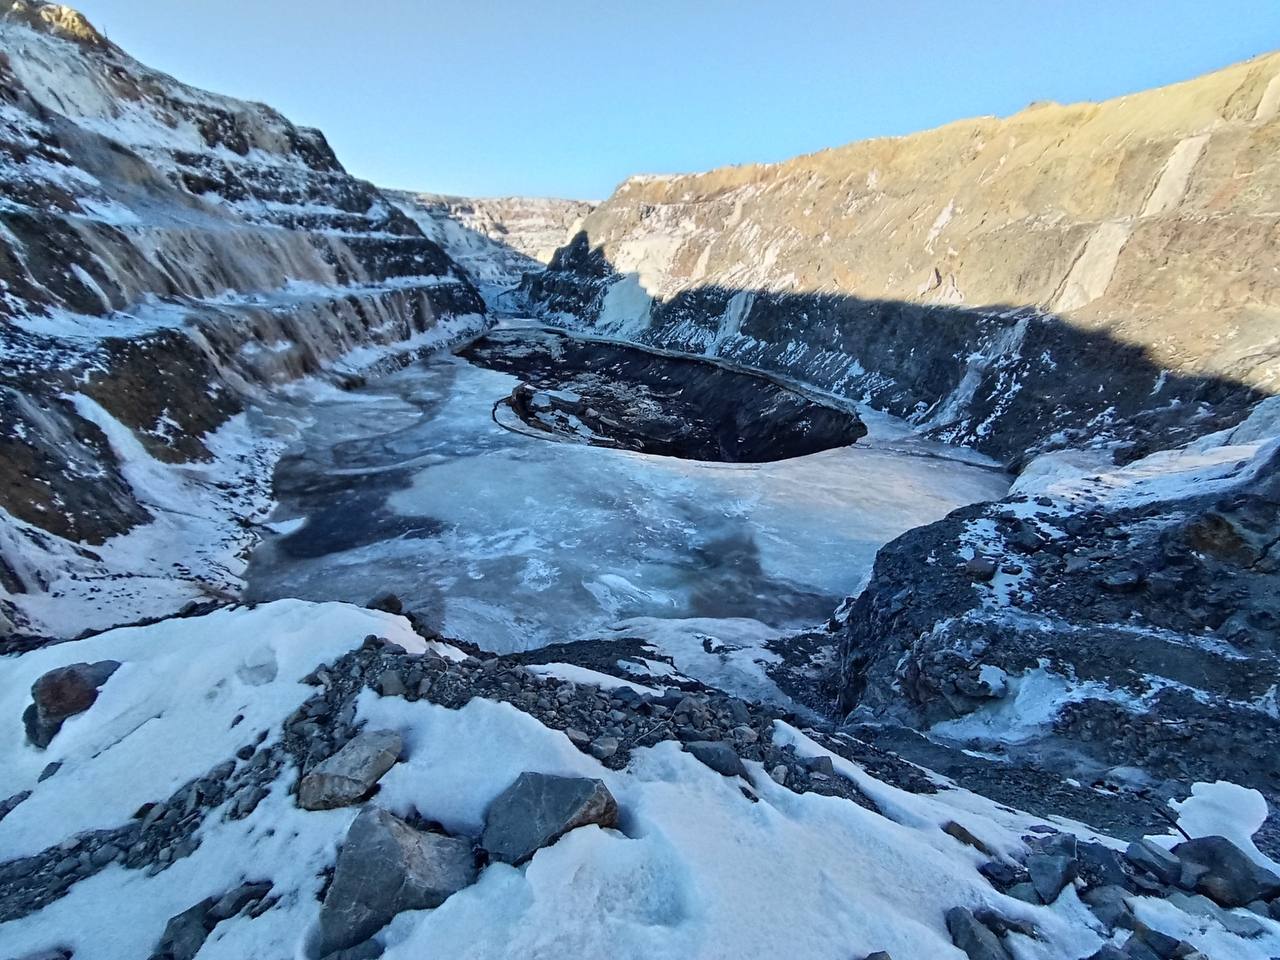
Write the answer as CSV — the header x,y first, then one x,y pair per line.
x,y
1050,874
385,867
1154,859
186,932
719,756
538,809
976,940
350,774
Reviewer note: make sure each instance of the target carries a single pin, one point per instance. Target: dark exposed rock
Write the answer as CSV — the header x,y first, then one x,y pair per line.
x,y
63,693
678,406
185,933
971,936
1049,874
1226,874
1154,859
719,756
386,866
537,809
1110,904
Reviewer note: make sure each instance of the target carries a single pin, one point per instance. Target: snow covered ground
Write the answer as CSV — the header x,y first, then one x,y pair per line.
x,y
696,868
512,541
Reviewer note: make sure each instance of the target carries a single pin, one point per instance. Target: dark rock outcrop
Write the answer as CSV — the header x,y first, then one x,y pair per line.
x,y
616,396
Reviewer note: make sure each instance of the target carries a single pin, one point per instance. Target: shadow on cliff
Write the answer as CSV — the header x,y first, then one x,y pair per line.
x,y
1009,380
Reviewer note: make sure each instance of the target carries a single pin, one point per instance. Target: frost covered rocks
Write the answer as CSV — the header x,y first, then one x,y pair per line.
x,y
539,808
351,773
387,866
61,694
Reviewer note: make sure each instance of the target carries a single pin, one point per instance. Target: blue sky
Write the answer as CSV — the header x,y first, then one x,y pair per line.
x,y
567,97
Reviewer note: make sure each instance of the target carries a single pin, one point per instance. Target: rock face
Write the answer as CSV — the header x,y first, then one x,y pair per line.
x,y
350,774
1132,639
496,241
632,399
61,694
1068,273
538,809
167,251
387,866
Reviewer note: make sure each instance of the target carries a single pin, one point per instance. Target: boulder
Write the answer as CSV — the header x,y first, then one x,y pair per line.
x,y
63,693
386,866
970,936
349,775
1225,874
719,756
538,809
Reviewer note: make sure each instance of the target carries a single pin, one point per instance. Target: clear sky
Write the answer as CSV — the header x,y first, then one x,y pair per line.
x,y
567,97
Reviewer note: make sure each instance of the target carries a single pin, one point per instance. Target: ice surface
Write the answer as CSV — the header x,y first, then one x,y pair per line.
x,y
512,541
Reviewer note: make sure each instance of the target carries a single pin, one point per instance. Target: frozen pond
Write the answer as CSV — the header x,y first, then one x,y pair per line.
x,y
511,541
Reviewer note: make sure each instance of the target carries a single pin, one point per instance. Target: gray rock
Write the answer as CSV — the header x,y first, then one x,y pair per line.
x,y
391,684
719,756
104,855
820,764
980,568
386,866
186,932
61,694
538,809
1226,875
1154,859
349,774
49,770
1110,904
1026,892
602,748
369,950
1147,943
878,955
970,936
1049,874
778,773
234,901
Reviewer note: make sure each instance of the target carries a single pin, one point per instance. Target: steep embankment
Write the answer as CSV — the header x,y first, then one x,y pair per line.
x,y
1069,273
166,252
498,240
